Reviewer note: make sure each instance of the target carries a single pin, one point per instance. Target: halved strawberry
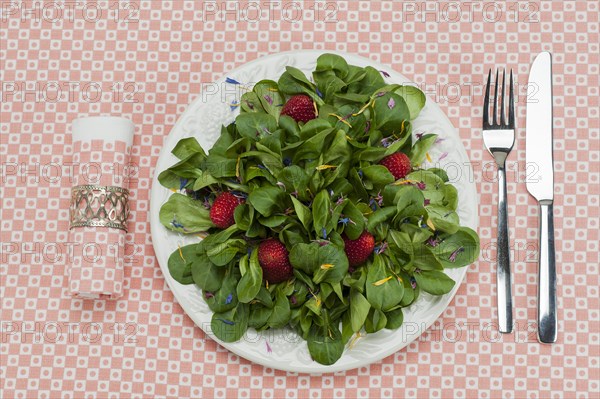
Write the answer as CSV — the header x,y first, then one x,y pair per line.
x,y
300,107
274,261
398,164
221,212
359,250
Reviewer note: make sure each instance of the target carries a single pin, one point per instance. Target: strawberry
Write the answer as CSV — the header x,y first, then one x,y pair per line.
x,y
398,164
360,249
274,261
221,212
300,107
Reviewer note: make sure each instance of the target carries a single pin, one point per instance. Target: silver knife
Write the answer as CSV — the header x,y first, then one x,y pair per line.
x,y
541,186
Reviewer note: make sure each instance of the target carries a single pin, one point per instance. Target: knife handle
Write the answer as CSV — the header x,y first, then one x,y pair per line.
x,y
547,320
503,280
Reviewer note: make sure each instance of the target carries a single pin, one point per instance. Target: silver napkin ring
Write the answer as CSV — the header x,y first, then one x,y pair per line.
x,y
99,206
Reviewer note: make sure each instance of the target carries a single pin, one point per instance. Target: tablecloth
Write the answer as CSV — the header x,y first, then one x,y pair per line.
x,y
146,60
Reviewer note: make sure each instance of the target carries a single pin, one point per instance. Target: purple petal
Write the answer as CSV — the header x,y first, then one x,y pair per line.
x,y
391,103
444,155
269,99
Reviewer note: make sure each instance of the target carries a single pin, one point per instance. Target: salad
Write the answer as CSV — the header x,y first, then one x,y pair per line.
x,y
315,211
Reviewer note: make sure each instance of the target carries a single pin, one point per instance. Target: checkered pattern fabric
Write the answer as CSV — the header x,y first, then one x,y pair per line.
x,y
146,60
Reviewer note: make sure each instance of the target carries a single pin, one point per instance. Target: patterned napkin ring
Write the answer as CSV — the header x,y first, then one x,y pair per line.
x,y
99,206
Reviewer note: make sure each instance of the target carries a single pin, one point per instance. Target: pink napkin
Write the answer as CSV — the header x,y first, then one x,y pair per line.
x,y
101,150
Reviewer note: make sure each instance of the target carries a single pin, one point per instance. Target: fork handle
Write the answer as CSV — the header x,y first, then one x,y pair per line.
x,y
547,329
503,280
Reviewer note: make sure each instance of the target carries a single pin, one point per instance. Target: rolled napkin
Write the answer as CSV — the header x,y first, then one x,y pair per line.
x,y
99,206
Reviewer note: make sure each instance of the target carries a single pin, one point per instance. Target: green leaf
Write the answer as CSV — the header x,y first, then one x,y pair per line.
x,y
223,253
380,216
255,125
356,224
326,263
288,124
321,207
206,275
243,216
266,200
259,315
293,81
325,344
357,183
431,186
281,310
378,174
359,310
250,283
187,147
332,264
395,318
375,321
231,325
226,297
419,150
334,62
458,249
425,259
434,282
249,102
371,82
180,262
185,215
389,111
443,219
441,173
312,148
269,96
204,180
409,202
303,212
383,289
414,98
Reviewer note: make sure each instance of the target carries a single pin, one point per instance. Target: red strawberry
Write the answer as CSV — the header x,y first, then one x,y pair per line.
x,y
360,249
273,258
221,212
398,164
300,108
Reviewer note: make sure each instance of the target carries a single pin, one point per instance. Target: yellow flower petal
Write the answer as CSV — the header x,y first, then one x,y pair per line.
x,y
428,156
341,119
323,167
430,224
326,266
382,281
404,181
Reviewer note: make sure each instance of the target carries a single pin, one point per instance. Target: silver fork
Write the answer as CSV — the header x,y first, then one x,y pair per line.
x,y
499,139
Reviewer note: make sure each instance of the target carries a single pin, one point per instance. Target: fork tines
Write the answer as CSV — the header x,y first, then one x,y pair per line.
x,y
511,106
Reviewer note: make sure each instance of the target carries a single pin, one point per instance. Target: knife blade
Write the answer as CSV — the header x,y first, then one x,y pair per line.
x,y
540,184
538,139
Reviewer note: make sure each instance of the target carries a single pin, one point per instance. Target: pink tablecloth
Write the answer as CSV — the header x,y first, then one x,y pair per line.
x,y
146,60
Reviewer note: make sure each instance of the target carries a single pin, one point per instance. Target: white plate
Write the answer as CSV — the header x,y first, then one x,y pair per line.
x,y
283,349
